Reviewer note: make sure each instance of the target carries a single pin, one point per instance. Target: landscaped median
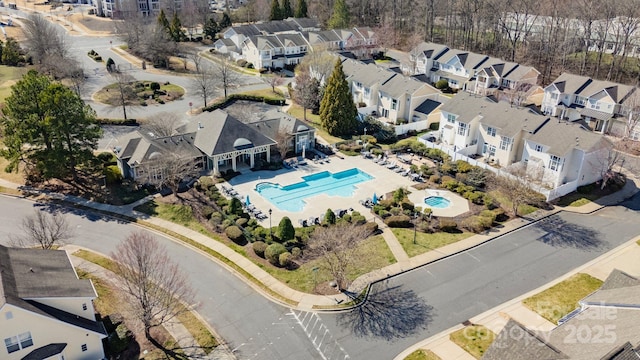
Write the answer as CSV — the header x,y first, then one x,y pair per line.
x,y
422,355
561,299
196,328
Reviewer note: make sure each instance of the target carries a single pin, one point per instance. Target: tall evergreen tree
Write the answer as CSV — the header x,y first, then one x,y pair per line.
x,y
225,22
175,29
276,13
11,53
337,109
211,28
340,16
287,12
48,128
301,9
163,21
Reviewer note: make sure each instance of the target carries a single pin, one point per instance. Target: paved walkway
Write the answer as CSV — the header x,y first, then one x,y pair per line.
x,y
177,330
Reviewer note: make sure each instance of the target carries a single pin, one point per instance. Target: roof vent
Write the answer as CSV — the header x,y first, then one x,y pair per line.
x,y
31,270
200,125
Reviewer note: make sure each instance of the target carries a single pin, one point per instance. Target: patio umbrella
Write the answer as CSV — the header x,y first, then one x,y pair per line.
x,y
246,201
375,199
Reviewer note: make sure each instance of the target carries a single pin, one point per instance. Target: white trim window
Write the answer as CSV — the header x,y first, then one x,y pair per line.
x,y
555,163
506,143
462,128
15,343
491,131
489,149
538,148
394,104
451,118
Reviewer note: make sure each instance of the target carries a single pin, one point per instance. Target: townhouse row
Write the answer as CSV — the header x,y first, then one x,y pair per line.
x,y
280,44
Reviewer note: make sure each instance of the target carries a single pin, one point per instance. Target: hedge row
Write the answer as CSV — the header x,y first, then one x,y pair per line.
x,y
128,122
235,97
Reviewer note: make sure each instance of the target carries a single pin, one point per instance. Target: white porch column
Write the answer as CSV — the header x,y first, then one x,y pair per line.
x,y
252,161
233,161
269,154
216,168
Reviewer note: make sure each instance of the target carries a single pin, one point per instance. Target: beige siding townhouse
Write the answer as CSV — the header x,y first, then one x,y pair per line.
x,y
46,312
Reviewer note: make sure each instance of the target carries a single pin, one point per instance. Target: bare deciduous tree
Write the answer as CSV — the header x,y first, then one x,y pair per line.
x,y
225,75
337,248
273,81
307,91
154,283
515,188
170,169
320,63
204,80
45,39
44,230
162,124
283,142
125,91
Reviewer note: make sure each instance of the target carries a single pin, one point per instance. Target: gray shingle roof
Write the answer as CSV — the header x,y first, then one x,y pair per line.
x,y
140,146
45,352
276,121
366,74
587,87
516,342
33,273
398,85
619,279
430,50
296,39
624,352
509,120
469,60
216,132
69,318
562,136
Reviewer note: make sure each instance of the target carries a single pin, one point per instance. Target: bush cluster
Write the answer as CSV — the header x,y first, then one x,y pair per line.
x,y
94,55
233,97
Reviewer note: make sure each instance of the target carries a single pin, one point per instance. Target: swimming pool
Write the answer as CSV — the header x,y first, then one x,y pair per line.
x,y
291,197
437,202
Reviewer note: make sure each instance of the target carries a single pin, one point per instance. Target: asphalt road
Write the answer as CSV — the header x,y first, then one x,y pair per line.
x,y
424,302
254,326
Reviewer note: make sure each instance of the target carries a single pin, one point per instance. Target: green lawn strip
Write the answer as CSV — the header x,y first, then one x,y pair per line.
x,y
268,93
233,65
314,120
426,242
474,339
560,299
199,331
10,191
523,209
111,92
576,199
422,355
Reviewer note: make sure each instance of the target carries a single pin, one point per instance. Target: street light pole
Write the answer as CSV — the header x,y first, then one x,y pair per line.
x,y
270,231
415,221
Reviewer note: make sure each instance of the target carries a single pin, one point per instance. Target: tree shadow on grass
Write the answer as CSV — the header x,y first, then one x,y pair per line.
x,y
388,313
559,233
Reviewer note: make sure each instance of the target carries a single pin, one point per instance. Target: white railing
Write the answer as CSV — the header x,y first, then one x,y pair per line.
x,y
549,194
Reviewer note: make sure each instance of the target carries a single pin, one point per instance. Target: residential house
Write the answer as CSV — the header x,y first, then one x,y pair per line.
x,y
46,312
600,106
117,9
477,125
364,80
281,127
604,327
215,141
399,96
557,154
274,51
564,154
469,71
238,34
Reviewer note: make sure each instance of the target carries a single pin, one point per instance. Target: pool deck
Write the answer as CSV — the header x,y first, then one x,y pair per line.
x,y
384,181
459,205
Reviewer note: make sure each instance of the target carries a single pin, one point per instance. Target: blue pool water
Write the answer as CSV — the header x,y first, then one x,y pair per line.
x,y
437,202
291,197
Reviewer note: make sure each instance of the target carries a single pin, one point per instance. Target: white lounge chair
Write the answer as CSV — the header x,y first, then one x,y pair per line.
x,y
391,165
377,159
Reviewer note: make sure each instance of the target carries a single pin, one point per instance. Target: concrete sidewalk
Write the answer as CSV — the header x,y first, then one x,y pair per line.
x,y
177,330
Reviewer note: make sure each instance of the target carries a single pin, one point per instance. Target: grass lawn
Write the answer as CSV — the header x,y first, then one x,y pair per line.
x,y
474,339
303,279
199,331
561,299
576,199
523,209
296,111
111,95
9,75
426,242
266,93
422,355
14,177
